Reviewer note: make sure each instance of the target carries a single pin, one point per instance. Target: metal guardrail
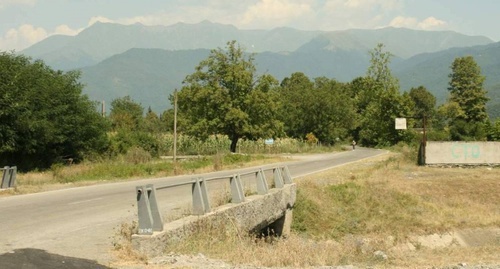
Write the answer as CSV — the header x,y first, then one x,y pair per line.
x,y
150,219
8,177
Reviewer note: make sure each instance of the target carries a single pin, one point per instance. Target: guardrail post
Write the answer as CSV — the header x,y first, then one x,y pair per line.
x,y
278,178
3,184
155,211
237,195
148,212
201,204
8,177
262,187
287,177
13,175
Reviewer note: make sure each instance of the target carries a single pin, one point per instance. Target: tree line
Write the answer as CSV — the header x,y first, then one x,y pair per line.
x,y
45,118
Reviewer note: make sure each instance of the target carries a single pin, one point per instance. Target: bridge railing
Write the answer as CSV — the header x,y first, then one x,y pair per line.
x,y
150,219
8,177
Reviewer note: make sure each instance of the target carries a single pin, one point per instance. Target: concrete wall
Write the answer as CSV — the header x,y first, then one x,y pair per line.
x,y
256,213
462,153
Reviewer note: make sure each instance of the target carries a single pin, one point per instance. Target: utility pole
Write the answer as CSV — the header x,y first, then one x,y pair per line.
x,y
175,126
424,139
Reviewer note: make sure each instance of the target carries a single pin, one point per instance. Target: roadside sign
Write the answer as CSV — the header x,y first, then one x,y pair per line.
x,y
269,141
400,123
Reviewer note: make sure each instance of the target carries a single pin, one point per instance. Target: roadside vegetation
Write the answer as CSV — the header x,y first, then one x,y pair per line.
x,y
378,212
138,164
46,121
226,111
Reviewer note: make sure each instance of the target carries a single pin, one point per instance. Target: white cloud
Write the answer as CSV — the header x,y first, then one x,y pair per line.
x,y
22,37
98,19
277,12
430,23
27,35
64,29
406,22
344,14
369,4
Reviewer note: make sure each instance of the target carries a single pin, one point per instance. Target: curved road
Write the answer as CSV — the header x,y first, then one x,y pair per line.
x,y
81,222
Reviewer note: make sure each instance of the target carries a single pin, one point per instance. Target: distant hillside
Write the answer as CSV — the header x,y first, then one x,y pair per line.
x,y
149,62
401,42
150,75
432,69
103,40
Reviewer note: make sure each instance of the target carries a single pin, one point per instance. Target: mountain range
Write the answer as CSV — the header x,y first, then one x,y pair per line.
x,y
149,62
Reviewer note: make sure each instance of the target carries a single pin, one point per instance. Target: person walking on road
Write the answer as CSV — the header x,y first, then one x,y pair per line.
x,y
353,145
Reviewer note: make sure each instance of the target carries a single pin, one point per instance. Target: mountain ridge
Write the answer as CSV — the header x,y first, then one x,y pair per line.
x,y
149,62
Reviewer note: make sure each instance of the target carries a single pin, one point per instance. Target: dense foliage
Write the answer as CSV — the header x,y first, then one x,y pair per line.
x,y
466,107
224,96
44,117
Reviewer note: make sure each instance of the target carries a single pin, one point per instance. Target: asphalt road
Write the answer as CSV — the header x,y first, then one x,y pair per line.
x,y
76,226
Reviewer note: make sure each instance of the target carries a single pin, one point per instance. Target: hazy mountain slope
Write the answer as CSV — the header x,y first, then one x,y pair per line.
x,y
149,76
401,42
103,40
431,70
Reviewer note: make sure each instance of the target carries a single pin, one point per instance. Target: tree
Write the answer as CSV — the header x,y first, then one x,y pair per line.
x,y
44,118
466,89
152,122
381,102
126,114
132,129
468,100
296,95
322,108
425,102
224,96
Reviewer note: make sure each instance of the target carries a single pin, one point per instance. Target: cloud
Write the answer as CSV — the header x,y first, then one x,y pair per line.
x,y
343,14
22,37
277,12
7,3
430,23
369,4
27,35
406,22
99,19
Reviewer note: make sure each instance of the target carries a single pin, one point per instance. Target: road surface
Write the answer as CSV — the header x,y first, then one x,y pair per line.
x,y
81,222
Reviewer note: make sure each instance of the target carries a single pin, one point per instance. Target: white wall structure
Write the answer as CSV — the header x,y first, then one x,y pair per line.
x,y
473,152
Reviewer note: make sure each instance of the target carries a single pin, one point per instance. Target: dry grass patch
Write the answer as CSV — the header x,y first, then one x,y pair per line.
x,y
345,215
84,174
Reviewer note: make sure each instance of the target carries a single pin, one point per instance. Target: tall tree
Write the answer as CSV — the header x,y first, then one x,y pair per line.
x,y
425,102
44,117
296,95
466,89
466,107
224,96
383,102
323,108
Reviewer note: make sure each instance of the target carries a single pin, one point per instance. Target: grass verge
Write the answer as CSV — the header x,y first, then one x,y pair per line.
x,y
64,176
371,213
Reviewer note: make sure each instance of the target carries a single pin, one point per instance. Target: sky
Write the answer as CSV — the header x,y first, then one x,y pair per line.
x,y
25,22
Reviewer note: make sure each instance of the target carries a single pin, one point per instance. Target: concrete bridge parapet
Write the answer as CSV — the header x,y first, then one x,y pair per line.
x,y
271,211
